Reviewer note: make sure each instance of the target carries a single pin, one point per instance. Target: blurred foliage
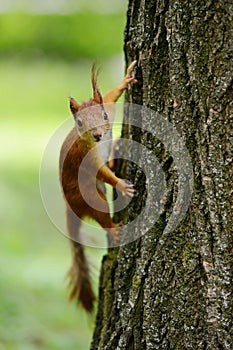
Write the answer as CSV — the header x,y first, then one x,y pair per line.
x,y
34,256
68,36
43,59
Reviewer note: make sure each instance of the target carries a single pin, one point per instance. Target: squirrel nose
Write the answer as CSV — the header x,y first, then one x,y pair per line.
x,y
97,136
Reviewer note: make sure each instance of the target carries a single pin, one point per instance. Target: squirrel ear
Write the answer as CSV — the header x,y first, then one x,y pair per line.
x,y
74,106
97,97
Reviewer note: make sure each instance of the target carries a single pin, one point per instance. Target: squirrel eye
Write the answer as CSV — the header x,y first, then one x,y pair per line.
x,y
80,124
105,116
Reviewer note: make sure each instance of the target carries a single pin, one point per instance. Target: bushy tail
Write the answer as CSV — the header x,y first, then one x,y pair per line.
x,y
79,274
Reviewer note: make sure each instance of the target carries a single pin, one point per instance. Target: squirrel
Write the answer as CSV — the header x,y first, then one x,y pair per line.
x,y
93,120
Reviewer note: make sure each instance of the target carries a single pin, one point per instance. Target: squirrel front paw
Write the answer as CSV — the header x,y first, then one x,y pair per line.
x,y
126,188
129,78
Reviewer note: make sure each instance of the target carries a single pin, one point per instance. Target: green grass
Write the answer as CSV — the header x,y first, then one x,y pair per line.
x,y
34,256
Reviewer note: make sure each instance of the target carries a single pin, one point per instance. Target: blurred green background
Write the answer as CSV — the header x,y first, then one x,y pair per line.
x,y
46,52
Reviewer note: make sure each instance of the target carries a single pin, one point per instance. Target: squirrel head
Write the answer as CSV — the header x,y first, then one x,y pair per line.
x,y
91,119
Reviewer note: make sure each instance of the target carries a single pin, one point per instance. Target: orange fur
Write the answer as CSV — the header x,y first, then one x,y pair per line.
x,y
91,124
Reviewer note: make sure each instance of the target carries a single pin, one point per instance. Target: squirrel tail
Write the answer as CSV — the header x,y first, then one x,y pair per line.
x,y
79,274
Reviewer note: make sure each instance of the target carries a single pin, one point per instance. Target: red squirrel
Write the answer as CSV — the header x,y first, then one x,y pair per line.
x,y
93,120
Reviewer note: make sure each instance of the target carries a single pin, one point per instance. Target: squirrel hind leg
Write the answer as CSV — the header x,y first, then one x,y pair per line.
x,y
114,233
104,219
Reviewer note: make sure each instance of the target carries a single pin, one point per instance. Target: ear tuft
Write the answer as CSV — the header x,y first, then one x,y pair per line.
x,y
97,97
74,106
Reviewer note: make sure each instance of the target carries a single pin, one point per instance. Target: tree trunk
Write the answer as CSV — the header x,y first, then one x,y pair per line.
x,y
175,291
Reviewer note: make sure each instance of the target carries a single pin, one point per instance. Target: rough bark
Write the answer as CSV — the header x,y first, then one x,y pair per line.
x,y
178,295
